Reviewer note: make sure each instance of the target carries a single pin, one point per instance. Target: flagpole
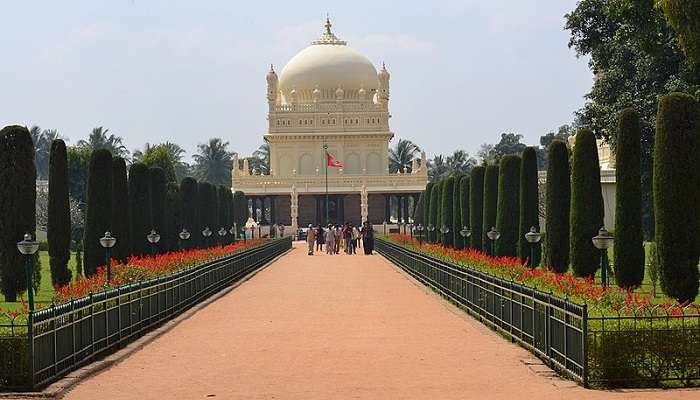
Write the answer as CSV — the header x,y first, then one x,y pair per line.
x,y
325,150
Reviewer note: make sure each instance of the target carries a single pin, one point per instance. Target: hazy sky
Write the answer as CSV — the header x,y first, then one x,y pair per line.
x,y
462,71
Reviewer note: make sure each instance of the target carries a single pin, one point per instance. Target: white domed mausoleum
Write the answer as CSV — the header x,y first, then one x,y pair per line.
x,y
330,96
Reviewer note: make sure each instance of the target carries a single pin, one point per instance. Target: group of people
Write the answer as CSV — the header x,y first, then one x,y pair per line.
x,y
347,237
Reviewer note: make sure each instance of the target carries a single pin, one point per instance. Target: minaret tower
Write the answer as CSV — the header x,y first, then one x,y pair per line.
x,y
272,88
383,92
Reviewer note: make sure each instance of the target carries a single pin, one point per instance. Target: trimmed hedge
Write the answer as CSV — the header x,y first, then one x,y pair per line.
x,y
17,205
586,216
139,209
490,204
222,207
629,238
508,206
529,203
58,226
158,184
446,210
418,210
207,211
120,210
677,194
464,207
476,207
457,241
190,210
426,207
99,209
434,207
172,217
558,197
240,213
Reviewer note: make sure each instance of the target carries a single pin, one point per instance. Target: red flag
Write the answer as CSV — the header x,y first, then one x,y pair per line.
x,y
332,162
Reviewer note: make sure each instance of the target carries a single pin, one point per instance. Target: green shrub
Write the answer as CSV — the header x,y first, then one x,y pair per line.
x,y
139,209
529,202
629,239
120,210
677,194
240,214
557,207
207,210
172,217
222,207
490,203
17,205
98,215
457,241
476,207
434,206
158,185
58,226
464,208
426,207
418,209
446,210
508,206
586,216
190,209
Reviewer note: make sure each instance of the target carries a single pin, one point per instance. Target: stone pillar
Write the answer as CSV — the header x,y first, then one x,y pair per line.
x,y
364,206
294,210
387,207
405,208
273,216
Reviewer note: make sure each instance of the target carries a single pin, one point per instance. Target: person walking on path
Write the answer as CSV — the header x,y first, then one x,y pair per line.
x,y
347,236
367,238
338,238
330,240
311,239
320,238
355,239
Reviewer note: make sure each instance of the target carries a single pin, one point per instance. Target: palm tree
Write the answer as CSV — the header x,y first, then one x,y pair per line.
x,y
437,168
263,158
42,147
460,162
213,162
98,139
402,155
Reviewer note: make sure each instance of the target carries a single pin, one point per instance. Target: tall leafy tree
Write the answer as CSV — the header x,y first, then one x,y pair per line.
x,y
99,209
17,205
139,209
261,159
629,243
58,227
42,140
508,206
167,155
99,139
677,194
586,216
490,203
158,187
684,17
189,203
213,162
557,207
120,210
78,165
476,207
529,201
402,155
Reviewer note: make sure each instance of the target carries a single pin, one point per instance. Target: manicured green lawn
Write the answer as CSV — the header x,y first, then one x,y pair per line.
x,y
45,290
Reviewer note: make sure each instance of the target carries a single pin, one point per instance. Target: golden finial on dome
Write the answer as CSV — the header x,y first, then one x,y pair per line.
x,y
328,24
328,37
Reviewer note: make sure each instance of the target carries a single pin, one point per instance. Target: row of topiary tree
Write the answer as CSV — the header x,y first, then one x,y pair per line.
x,y
505,197
127,203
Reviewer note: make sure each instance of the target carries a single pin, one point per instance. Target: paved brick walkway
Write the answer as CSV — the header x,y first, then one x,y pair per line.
x,y
343,327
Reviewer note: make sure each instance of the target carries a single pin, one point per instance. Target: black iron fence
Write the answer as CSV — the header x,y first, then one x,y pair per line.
x,y
56,340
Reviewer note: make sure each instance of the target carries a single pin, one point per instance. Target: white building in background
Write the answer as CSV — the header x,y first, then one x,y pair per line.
x,y
330,95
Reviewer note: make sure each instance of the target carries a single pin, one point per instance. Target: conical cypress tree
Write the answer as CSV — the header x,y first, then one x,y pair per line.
x,y
586,216
190,212
98,216
158,186
558,197
446,210
241,212
222,207
434,207
120,210
490,203
17,205
207,211
457,241
464,208
139,209
529,202
629,239
172,217
418,210
677,194
58,227
426,209
476,207
508,206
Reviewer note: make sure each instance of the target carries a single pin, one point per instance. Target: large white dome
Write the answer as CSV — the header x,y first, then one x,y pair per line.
x,y
328,64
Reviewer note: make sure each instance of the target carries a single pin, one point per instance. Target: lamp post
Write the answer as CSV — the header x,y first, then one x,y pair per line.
x,y
222,232
235,232
206,233
384,227
603,242
493,235
184,236
533,237
28,247
431,229
444,230
108,241
465,232
420,229
153,239
410,229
